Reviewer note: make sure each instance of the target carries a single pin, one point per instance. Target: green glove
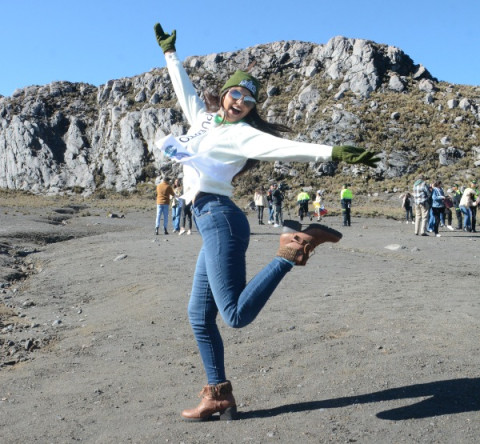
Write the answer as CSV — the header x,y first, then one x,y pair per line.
x,y
166,41
352,154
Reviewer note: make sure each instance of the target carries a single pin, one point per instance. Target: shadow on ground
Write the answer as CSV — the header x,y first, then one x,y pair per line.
x,y
442,398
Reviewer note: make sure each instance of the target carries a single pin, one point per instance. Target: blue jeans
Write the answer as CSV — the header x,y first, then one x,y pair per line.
x,y
176,213
271,213
467,217
277,214
431,220
219,282
162,210
409,214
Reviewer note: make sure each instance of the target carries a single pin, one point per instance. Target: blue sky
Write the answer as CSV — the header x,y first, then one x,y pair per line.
x,y
96,41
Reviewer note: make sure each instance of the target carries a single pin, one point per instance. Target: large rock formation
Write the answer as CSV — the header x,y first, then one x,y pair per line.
x,y
74,136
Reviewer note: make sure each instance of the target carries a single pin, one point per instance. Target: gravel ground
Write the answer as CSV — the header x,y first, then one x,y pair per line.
x,y
374,341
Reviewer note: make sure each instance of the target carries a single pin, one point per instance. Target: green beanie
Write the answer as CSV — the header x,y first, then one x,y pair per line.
x,y
241,78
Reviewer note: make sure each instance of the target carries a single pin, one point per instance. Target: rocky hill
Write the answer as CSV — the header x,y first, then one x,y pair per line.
x,y
75,137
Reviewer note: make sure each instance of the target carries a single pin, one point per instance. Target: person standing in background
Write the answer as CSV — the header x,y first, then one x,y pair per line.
x,y
186,214
473,186
456,198
177,205
277,201
407,206
448,212
318,204
346,197
421,196
468,202
164,194
271,219
260,200
302,201
438,205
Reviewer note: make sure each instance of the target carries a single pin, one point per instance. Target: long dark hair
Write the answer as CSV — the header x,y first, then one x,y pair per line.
x,y
253,118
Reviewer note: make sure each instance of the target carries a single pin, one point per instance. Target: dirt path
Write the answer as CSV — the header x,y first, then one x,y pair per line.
x,y
366,344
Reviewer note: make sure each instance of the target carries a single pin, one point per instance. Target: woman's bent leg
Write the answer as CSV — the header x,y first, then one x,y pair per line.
x,y
226,233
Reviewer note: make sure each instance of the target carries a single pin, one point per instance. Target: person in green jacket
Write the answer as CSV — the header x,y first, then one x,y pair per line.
x,y
346,197
302,202
457,197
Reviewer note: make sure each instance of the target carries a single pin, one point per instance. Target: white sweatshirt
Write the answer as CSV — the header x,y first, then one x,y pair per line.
x,y
217,152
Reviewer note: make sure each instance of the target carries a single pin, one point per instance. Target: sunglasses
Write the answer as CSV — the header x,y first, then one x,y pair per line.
x,y
235,94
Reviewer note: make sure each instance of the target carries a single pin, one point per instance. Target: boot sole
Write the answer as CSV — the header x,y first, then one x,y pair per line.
x,y
326,229
229,414
291,226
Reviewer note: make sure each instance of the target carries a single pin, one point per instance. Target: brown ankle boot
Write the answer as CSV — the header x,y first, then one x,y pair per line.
x,y
297,246
215,398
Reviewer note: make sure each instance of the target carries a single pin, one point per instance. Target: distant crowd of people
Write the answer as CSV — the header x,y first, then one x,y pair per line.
x,y
170,197
428,206
270,202
434,208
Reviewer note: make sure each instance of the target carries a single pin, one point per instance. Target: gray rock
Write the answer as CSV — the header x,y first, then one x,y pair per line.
x,y
395,115
465,104
339,95
308,97
426,85
450,155
445,140
429,99
397,165
394,247
310,71
141,96
421,73
396,84
272,91
452,103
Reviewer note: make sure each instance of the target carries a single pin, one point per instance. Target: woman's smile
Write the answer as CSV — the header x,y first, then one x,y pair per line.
x,y
236,109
